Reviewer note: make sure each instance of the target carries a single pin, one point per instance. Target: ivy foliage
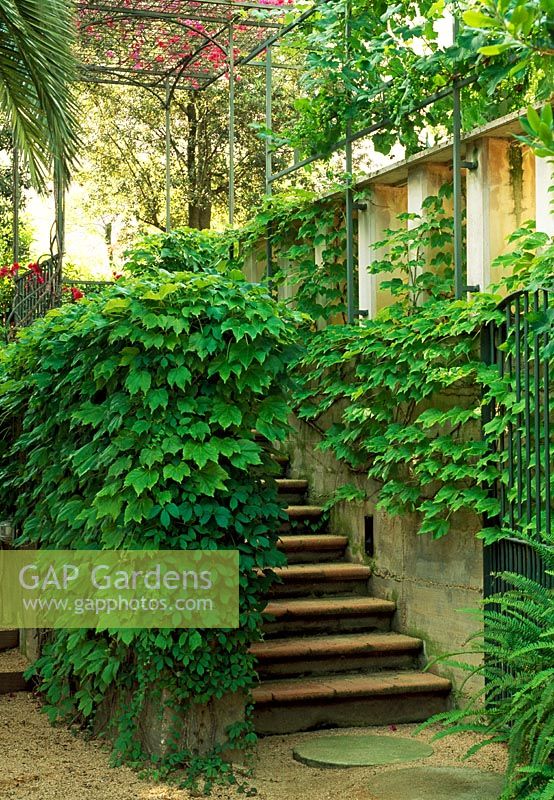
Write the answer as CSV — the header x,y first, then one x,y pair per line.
x,y
403,391
391,56
128,422
296,222
400,397
300,226
182,249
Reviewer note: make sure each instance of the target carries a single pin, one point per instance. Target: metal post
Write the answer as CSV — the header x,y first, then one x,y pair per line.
x,y
59,200
231,127
350,313
167,156
16,202
457,177
268,155
268,121
57,258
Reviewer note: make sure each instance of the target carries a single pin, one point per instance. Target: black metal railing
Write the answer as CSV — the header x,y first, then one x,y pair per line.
x,y
36,291
42,287
521,346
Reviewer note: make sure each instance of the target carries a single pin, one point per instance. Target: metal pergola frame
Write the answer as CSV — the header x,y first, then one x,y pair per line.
x,y
243,31
345,144
231,18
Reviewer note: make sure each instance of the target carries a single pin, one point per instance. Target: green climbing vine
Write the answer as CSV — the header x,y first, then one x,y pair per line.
x,y
400,397
86,464
295,222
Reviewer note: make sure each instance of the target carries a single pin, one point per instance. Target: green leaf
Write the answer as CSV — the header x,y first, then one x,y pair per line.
x,y
157,398
476,19
117,305
176,472
180,377
142,479
494,49
138,381
226,414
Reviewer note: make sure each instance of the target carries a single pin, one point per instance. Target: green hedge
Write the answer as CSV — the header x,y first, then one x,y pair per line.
x,y
127,422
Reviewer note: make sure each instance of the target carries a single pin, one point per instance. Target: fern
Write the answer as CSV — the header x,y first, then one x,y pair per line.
x,y
518,668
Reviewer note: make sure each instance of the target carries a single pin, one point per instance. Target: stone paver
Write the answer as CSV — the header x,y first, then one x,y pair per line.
x,y
347,686
437,783
360,751
343,644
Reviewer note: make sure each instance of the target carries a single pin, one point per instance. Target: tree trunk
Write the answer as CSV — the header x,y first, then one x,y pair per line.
x,y
199,207
199,215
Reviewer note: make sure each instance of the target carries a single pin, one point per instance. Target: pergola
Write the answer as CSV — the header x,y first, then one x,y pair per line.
x,y
194,43
165,46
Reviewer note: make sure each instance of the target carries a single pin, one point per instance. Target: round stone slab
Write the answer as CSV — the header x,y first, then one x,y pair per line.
x,y
359,751
438,783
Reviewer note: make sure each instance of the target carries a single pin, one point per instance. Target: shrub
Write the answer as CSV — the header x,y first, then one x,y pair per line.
x,y
128,423
182,249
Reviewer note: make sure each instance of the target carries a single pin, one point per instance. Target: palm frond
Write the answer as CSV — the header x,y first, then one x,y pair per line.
x,y
37,68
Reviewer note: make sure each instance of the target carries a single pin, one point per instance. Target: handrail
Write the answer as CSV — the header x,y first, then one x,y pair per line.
x,y
520,292
35,293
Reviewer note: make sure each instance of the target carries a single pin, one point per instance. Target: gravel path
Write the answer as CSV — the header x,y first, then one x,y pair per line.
x,y
40,762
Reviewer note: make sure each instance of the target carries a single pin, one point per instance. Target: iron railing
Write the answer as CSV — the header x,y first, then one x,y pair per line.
x,y
35,293
519,343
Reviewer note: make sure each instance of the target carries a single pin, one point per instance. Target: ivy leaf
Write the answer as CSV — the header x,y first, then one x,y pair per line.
x,y
157,398
138,381
142,479
180,377
226,414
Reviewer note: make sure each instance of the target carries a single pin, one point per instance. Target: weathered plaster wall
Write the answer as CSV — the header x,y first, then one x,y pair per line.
x,y
431,581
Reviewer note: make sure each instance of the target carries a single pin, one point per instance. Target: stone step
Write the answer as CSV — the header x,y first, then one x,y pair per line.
x,y
291,490
384,698
12,666
300,580
292,485
9,640
303,517
305,548
327,615
333,654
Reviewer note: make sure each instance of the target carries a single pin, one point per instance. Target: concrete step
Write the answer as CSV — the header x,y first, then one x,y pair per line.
x,y
327,615
303,518
301,704
291,490
301,549
292,485
9,640
12,666
317,655
301,580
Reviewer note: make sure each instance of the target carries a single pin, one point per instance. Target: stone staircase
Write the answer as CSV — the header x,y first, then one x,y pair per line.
x,y
12,664
329,657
